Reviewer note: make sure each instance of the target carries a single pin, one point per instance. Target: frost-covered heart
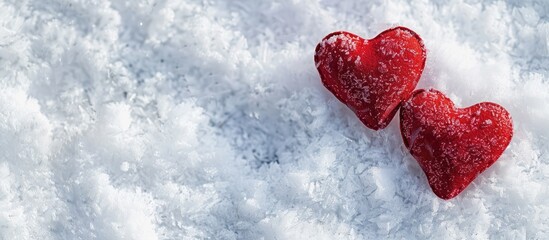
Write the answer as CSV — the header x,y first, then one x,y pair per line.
x,y
372,77
453,145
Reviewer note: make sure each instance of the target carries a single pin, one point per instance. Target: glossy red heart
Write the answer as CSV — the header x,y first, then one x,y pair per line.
x,y
372,77
453,145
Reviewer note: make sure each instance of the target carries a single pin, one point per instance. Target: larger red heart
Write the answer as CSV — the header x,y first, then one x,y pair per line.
x,y
453,145
372,77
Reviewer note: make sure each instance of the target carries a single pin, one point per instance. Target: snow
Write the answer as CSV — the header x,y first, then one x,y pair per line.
x,y
207,119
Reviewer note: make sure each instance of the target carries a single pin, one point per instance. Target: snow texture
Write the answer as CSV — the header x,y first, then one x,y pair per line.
x,y
207,120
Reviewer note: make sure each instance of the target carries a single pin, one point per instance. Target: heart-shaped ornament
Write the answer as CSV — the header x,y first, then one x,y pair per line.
x,y
372,77
453,145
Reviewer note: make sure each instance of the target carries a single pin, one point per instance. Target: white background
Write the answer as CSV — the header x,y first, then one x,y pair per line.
x,y
206,119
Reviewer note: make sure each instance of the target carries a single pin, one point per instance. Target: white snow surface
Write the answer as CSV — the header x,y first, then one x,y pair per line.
x,y
206,119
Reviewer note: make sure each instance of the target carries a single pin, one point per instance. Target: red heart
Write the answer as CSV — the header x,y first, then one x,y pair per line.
x,y
453,145
372,77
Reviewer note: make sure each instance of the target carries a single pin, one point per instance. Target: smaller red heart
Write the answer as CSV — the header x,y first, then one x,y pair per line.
x,y
453,145
372,77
